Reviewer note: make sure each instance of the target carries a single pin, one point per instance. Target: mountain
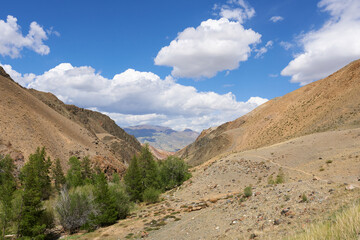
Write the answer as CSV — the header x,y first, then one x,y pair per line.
x,y
162,138
31,119
332,103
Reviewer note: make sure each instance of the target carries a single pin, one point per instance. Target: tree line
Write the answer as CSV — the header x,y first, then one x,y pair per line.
x,y
42,196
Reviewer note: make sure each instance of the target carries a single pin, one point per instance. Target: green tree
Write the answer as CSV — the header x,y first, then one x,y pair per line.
x,y
74,176
35,183
133,181
105,201
115,178
7,189
58,175
122,200
86,170
149,169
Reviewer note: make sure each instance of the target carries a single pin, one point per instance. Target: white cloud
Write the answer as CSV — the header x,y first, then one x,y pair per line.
x,y
12,41
276,19
237,10
134,97
331,47
215,45
273,75
260,52
286,45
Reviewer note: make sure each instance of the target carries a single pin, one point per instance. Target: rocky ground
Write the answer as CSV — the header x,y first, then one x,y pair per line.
x,y
321,174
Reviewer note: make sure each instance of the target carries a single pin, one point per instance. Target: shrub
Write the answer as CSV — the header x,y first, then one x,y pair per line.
x,y
174,171
151,195
75,207
280,178
304,198
248,192
271,180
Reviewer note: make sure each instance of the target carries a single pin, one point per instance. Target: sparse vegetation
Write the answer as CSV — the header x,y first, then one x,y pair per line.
x,y
344,224
280,178
329,161
248,192
304,198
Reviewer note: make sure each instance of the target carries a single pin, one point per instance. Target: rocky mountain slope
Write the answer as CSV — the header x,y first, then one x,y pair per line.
x,y
328,104
320,176
163,138
31,119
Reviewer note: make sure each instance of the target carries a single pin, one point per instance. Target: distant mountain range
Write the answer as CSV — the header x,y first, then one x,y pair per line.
x,y
163,138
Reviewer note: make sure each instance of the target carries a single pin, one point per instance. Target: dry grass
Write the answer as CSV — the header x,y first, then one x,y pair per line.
x,y
344,224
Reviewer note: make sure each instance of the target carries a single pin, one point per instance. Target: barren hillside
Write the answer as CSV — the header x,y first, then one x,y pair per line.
x,y
328,104
323,167
27,123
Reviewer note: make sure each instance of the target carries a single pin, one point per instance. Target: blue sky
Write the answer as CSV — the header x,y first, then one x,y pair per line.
x,y
182,64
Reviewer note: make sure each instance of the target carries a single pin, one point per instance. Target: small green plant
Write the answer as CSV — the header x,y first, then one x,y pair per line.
x,y
304,198
247,192
271,180
280,178
321,169
329,161
151,195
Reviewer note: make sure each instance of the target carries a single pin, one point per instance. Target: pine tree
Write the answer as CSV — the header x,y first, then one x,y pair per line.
x,y
133,181
74,176
36,184
7,189
58,175
42,167
105,201
115,178
86,171
149,169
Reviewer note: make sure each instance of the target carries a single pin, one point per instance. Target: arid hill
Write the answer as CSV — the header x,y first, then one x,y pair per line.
x,y
31,119
329,104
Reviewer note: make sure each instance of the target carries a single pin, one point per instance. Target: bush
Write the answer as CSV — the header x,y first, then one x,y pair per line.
x,y
174,171
248,192
75,207
151,195
122,200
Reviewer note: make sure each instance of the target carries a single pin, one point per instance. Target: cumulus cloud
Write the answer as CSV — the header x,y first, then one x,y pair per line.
x,y
12,40
215,45
276,19
329,48
134,97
